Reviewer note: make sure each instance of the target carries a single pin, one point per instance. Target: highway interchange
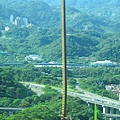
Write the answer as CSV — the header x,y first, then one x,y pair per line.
x,y
82,94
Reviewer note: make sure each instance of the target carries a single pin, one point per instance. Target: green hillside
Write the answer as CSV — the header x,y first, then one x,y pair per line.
x,y
88,35
9,87
38,13
92,34
108,9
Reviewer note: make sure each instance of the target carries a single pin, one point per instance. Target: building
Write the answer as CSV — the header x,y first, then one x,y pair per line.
x,y
25,21
33,58
7,28
103,63
114,88
110,87
21,21
11,18
18,21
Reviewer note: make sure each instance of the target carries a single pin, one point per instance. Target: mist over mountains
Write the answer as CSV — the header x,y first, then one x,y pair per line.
x,y
106,8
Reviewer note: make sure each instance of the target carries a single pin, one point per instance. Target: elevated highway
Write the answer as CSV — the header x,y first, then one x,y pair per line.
x,y
12,109
110,107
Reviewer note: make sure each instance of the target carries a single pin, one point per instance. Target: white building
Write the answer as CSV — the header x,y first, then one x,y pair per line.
x,y
21,21
17,21
103,63
25,20
33,58
7,28
11,18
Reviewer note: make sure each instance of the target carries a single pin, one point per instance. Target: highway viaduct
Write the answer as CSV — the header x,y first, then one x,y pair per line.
x,y
110,107
10,110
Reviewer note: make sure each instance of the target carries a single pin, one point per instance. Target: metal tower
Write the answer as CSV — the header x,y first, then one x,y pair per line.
x,y
64,71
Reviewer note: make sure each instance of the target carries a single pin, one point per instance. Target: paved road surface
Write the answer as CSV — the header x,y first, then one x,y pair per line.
x,y
86,96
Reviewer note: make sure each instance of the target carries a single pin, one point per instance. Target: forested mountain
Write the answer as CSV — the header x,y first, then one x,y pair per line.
x,y
38,12
108,9
93,6
90,33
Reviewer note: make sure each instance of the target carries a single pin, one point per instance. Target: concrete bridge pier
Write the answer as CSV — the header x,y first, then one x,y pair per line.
x,y
117,118
105,109
114,111
117,111
111,119
111,110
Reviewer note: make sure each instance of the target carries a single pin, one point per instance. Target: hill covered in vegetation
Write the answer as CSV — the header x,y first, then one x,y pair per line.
x,y
92,34
11,88
48,105
88,35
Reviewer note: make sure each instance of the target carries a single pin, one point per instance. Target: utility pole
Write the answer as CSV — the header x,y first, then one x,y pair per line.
x,y
64,71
